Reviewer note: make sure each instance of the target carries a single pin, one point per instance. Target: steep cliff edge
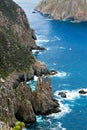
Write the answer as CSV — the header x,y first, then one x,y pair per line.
x,y
18,65
16,39
64,9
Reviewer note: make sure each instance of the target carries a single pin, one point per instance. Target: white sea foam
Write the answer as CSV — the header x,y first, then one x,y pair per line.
x,y
61,74
54,63
34,51
57,38
61,47
35,78
32,83
70,95
70,49
64,110
65,85
60,126
39,119
41,40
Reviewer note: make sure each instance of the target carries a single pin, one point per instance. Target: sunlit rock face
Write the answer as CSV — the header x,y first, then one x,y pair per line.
x,y
64,9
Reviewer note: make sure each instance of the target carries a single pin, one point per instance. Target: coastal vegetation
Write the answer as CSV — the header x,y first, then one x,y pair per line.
x,y
13,51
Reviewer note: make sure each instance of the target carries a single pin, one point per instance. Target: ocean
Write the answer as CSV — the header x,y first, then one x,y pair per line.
x,y
66,44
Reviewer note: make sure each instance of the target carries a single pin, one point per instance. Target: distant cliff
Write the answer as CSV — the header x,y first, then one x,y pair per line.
x,y
64,9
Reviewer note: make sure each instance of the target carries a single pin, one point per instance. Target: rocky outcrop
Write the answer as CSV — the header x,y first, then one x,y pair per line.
x,y
43,102
20,103
18,65
40,68
82,91
23,109
62,94
64,9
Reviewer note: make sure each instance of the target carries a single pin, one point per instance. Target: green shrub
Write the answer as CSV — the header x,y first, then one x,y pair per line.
x,y
19,125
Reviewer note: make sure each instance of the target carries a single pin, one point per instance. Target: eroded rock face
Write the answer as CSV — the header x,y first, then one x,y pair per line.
x,y
24,110
20,103
40,68
64,9
43,102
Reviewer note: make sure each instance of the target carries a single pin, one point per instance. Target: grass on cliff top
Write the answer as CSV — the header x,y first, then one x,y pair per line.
x,y
13,56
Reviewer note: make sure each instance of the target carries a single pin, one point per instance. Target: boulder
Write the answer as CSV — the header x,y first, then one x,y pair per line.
x,y
62,94
82,91
53,72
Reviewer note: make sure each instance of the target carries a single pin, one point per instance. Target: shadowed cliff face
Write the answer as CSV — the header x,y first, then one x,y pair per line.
x,y
64,9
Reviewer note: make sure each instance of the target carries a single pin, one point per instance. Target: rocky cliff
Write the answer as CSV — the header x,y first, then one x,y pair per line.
x,y
16,39
18,65
20,103
64,9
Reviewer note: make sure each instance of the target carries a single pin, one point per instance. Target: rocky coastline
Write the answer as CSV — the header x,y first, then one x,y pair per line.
x,y
73,10
18,65
19,102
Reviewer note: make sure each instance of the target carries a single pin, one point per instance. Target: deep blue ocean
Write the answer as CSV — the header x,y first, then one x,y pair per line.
x,y
66,44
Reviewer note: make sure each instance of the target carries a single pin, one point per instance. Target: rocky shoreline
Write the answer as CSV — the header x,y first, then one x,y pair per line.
x,y
18,65
18,102
73,10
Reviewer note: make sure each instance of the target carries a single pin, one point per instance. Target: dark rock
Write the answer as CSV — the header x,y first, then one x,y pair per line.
x,y
62,94
82,91
36,52
34,11
53,72
41,48
33,35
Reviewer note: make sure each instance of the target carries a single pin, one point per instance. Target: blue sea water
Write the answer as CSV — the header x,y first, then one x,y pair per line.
x,y
66,44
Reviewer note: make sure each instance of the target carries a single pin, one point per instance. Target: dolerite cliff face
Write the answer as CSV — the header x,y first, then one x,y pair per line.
x,y
64,9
